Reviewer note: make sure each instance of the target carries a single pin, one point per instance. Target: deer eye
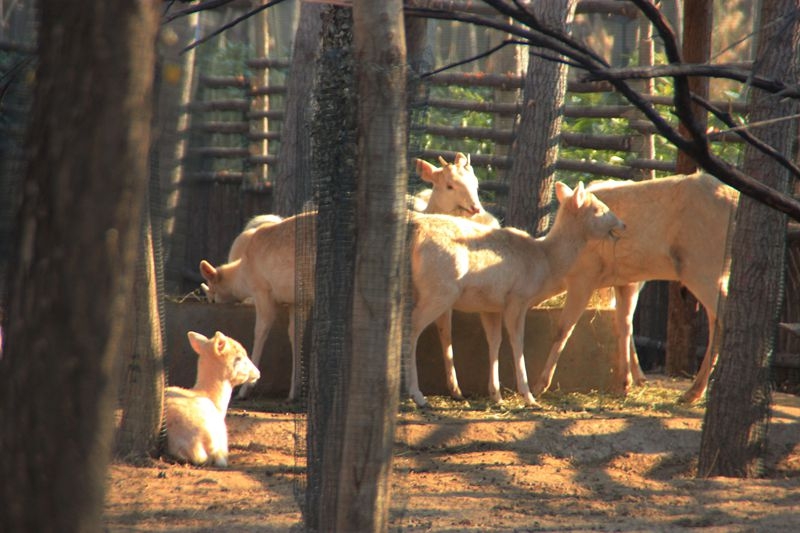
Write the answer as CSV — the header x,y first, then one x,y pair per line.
x,y
450,187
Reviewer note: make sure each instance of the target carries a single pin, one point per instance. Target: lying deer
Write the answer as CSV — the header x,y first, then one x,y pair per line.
x,y
500,273
676,230
196,430
268,266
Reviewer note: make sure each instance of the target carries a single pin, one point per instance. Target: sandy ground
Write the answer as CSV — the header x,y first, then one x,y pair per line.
x,y
580,463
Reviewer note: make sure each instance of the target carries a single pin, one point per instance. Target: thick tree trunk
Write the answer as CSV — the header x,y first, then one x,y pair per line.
x,y
378,291
71,280
684,317
292,181
334,175
535,149
734,429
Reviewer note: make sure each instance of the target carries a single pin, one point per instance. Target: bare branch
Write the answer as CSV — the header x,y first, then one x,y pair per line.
x,y
200,6
230,24
694,69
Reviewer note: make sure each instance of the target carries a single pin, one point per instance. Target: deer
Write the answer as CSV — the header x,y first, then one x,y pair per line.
x,y
196,430
500,273
238,246
454,191
265,272
676,230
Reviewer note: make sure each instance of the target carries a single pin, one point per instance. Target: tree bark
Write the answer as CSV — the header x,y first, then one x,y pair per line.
x,y
683,321
71,279
378,291
734,428
535,150
142,382
334,170
292,182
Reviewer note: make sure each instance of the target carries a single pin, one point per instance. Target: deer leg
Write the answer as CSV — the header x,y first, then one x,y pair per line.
x,y
493,328
444,325
700,383
577,298
627,296
423,314
515,324
266,310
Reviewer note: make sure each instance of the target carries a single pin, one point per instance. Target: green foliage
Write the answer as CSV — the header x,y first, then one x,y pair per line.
x,y
456,118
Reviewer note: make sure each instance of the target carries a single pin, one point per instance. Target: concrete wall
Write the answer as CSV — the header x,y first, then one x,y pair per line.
x,y
584,366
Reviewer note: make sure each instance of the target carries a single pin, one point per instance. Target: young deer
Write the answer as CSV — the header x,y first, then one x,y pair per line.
x,y
454,191
266,272
500,273
268,267
676,230
196,430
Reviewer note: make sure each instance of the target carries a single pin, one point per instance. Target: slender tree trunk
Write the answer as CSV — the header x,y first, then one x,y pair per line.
x,y
71,281
292,180
734,429
378,292
684,319
535,149
142,382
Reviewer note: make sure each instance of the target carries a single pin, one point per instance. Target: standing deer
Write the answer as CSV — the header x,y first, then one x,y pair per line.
x,y
676,230
268,266
500,273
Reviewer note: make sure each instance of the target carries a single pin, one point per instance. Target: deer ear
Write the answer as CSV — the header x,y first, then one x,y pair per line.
x,y
220,341
426,171
579,196
563,192
208,272
197,340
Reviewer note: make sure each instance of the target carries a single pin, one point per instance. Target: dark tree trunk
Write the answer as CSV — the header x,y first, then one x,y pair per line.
x,y
734,429
684,317
293,180
378,291
334,170
70,283
535,149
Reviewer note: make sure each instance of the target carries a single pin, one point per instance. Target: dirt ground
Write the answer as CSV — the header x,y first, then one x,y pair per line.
x,y
582,462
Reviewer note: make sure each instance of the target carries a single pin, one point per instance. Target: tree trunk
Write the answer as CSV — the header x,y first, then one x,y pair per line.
x,y
378,291
71,281
334,169
142,383
535,149
292,181
684,319
734,429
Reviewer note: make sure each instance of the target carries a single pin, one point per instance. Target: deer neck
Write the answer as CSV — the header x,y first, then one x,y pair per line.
x,y
562,245
217,390
235,273
434,207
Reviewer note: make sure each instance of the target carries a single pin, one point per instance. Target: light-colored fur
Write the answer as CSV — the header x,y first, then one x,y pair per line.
x,y
266,272
196,430
676,230
500,273
241,240
455,191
